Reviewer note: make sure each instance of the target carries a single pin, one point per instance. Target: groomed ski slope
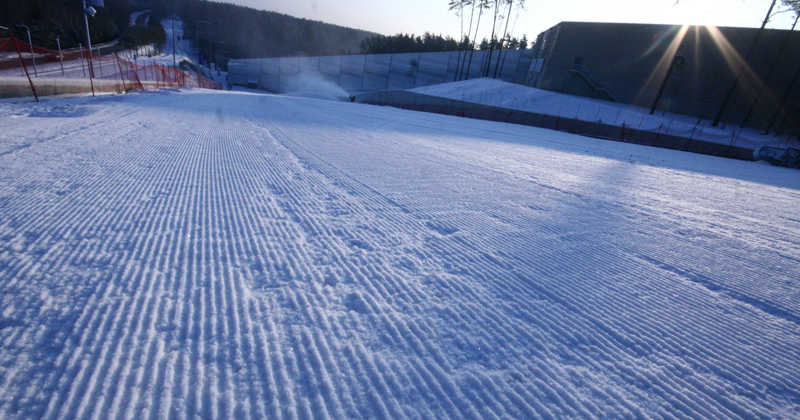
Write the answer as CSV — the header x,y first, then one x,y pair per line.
x,y
200,254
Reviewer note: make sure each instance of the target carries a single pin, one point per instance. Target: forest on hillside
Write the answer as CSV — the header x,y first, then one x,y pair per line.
x,y
63,19
245,32
428,42
241,32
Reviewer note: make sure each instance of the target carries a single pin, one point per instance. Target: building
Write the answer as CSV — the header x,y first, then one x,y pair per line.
x,y
705,72
688,70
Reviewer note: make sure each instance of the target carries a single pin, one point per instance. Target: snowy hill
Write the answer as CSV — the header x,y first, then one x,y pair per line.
x,y
204,254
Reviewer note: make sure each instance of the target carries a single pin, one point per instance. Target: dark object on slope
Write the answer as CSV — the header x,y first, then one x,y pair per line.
x,y
788,157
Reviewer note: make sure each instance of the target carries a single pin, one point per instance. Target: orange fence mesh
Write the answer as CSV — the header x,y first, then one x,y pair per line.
x,y
82,63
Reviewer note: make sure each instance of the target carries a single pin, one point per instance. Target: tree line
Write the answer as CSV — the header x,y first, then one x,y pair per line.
x,y
241,32
232,31
500,12
407,43
63,19
138,35
428,42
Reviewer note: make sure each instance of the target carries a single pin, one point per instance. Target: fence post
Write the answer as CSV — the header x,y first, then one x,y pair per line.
x,y
60,56
83,67
730,146
658,135
136,75
120,73
24,67
100,60
689,140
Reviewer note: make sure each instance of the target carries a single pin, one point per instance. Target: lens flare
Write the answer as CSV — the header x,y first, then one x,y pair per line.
x,y
749,81
661,69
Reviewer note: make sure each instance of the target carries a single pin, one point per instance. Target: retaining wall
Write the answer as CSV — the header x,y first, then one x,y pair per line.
x,y
19,87
356,73
435,104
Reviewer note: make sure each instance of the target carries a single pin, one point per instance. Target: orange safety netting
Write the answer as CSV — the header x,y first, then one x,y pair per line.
x,y
107,67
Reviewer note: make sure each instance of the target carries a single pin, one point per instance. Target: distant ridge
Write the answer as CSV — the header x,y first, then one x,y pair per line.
x,y
253,33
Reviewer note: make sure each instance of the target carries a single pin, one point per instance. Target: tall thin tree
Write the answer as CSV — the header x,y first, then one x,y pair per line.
x,y
466,42
520,6
458,6
769,75
482,4
492,39
736,75
503,39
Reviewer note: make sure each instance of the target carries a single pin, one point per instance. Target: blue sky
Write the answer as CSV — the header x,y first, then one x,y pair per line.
x,y
417,16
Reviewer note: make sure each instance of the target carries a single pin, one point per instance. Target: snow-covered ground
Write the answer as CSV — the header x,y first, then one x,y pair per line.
x,y
509,95
205,254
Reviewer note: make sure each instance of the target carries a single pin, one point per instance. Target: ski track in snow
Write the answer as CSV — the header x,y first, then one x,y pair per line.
x,y
204,254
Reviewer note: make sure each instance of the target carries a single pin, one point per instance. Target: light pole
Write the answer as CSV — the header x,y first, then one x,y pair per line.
x,y
35,73
197,35
677,61
218,66
217,42
172,3
88,10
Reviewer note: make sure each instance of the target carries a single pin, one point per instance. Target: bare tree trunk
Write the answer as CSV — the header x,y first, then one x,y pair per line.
x,y
520,5
459,6
477,25
491,39
462,61
744,63
502,41
769,75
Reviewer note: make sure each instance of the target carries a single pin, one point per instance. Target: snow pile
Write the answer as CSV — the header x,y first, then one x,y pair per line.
x,y
204,254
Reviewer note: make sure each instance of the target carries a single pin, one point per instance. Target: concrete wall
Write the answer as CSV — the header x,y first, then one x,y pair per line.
x,y
357,73
19,87
597,129
634,59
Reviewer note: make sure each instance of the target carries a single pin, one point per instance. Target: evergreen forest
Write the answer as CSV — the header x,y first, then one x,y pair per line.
x,y
242,32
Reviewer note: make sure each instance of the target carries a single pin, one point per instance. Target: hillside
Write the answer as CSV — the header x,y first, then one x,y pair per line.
x,y
49,19
252,33
246,32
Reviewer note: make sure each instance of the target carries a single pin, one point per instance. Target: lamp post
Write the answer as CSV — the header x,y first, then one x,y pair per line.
x,y
677,61
35,73
217,42
172,18
90,11
197,34
218,66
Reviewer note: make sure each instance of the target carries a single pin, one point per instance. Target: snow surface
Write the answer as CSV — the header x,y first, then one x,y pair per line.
x,y
510,95
206,254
